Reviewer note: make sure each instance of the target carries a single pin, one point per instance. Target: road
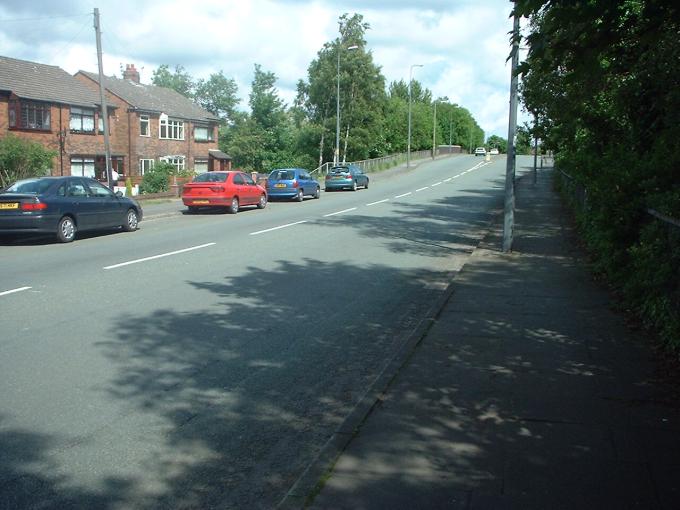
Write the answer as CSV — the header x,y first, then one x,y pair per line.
x,y
204,360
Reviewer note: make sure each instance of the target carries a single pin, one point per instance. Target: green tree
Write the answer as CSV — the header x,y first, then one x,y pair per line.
x,y
21,158
499,143
218,95
179,80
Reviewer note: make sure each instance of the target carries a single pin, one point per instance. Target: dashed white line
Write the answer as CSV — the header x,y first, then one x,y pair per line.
x,y
5,293
277,228
456,176
403,195
378,202
422,189
436,184
447,180
159,256
340,212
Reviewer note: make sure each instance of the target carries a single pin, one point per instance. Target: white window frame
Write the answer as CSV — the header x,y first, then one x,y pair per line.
x,y
174,129
209,134
179,162
145,164
204,165
85,165
145,119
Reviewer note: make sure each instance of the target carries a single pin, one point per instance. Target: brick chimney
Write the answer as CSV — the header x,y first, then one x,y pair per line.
x,y
131,73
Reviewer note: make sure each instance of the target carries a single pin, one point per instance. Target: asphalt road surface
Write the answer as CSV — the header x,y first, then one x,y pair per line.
x,y
204,360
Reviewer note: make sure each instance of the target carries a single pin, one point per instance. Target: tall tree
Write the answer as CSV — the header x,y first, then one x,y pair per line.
x,y
218,95
179,80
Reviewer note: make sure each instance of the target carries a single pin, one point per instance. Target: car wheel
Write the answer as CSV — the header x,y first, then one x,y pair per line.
x,y
263,202
366,187
354,186
300,196
233,208
66,230
131,221
317,194
192,209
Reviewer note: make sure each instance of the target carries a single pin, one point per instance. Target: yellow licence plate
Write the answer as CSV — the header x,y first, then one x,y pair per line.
x,y
9,205
279,185
200,202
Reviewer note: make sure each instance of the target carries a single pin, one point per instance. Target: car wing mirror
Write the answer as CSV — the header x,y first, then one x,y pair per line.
x,y
119,193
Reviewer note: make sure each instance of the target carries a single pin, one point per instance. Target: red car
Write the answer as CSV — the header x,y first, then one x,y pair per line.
x,y
223,189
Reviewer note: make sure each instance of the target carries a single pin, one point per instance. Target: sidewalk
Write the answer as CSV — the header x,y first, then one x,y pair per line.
x,y
526,392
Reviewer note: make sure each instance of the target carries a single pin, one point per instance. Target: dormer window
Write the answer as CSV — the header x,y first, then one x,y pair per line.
x,y
169,129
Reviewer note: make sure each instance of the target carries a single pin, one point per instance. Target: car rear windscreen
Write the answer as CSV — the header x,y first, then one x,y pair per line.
x,y
33,186
210,177
282,175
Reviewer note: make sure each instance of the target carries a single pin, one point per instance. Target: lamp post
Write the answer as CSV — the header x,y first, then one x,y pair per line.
x,y
408,144
336,156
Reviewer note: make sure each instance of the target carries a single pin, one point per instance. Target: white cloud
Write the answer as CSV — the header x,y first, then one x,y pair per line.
x,y
463,45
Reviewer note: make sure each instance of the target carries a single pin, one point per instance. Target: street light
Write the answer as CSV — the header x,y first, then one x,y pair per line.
x,y
336,156
408,144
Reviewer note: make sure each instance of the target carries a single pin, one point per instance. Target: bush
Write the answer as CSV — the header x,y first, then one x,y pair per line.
x,y
157,179
20,159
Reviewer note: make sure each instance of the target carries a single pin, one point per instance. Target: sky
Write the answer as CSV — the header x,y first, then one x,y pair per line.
x,y
463,45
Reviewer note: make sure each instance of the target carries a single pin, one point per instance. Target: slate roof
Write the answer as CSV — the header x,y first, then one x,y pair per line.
x,y
153,99
40,82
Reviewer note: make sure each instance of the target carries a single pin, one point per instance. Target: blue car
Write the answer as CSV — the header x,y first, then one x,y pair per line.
x,y
346,177
292,183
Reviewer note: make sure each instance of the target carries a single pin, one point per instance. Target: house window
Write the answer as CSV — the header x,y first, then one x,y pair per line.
x,y
144,126
203,134
200,165
82,120
171,129
29,115
144,165
82,167
176,161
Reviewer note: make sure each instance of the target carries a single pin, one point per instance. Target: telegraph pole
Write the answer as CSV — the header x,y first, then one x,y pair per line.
x,y
434,131
509,208
102,96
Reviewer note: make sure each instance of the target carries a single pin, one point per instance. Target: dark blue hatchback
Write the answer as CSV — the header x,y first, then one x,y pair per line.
x,y
63,206
293,183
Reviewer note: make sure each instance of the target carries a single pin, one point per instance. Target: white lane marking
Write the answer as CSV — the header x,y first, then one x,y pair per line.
x,y
5,293
436,184
276,228
159,256
421,189
378,202
456,176
403,195
340,212
447,180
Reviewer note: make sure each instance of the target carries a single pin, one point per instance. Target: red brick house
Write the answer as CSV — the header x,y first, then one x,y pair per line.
x,y
160,124
47,105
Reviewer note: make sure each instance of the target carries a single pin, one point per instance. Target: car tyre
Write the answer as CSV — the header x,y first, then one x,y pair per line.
x,y
354,186
300,195
262,202
192,209
131,221
233,207
66,229
317,193
366,187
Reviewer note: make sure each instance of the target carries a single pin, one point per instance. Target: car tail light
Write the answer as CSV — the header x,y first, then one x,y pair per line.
x,y
34,206
216,189
296,184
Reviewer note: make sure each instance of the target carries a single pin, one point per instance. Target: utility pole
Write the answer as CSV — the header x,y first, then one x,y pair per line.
x,y
102,96
434,131
509,207
535,147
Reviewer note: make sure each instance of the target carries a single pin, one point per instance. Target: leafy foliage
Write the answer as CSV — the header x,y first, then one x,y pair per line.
x,y
20,158
157,178
603,79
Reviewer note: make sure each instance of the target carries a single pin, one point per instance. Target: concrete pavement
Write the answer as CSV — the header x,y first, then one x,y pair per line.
x,y
523,390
